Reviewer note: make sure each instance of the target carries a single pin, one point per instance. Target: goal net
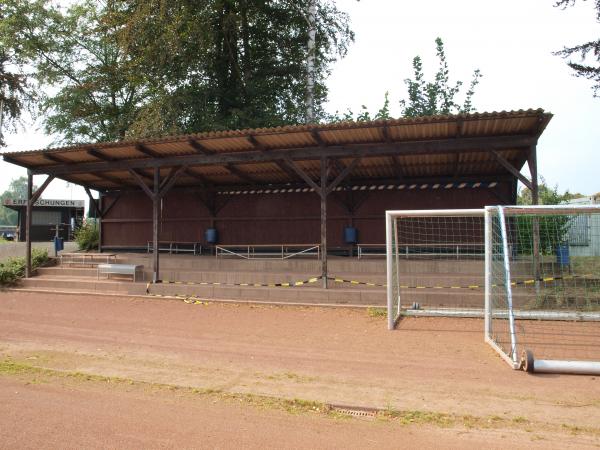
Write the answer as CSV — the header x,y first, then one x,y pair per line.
x,y
531,273
435,261
543,283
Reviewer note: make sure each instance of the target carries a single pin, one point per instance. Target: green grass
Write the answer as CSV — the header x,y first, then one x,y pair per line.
x,y
34,375
377,312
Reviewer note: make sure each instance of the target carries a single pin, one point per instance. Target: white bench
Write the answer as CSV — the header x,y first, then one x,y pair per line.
x,y
120,269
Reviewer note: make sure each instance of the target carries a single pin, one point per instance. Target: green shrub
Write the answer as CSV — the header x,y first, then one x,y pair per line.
x,y
14,268
87,235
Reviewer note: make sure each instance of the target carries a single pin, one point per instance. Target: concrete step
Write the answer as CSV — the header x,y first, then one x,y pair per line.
x,y
312,295
68,271
336,264
82,284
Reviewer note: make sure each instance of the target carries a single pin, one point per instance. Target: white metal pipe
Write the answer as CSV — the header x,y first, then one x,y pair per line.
x,y
488,273
436,212
390,290
567,367
551,209
507,283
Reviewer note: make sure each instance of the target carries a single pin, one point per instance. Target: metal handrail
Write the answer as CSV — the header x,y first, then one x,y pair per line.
x,y
406,247
282,253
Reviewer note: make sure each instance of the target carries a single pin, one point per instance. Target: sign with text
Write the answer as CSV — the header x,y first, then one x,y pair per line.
x,y
54,203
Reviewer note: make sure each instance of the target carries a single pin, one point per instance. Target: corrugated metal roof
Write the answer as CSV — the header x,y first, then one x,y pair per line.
x,y
383,133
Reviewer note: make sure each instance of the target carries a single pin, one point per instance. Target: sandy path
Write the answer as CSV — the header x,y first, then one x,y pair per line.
x,y
329,355
54,415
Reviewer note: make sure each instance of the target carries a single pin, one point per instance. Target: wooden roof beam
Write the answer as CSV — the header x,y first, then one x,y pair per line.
x,y
141,183
239,173
398,170
456,165
106,177
55,158
257,145
317,138
147,151
386,134
99,155
196,145
512,169
189,172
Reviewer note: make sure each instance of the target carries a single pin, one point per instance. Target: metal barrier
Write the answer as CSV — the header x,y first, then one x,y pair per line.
x,y
176,247
268,251
421,250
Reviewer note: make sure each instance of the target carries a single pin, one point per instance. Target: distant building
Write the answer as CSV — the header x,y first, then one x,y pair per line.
x,y
47,213
584,231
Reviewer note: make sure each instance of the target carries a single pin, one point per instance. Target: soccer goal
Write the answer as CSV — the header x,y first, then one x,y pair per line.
x,y
435,263
531,273
543,287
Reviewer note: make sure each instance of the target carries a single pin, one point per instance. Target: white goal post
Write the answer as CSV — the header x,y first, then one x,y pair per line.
x,y
532,273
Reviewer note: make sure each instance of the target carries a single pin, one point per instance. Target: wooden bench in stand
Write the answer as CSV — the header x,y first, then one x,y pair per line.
x,y
120,269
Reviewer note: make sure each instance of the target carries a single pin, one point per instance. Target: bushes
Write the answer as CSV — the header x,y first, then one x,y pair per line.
x,y
87,236
14,268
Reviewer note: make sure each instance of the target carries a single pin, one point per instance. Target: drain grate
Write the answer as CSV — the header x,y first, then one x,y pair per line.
x,y
354,412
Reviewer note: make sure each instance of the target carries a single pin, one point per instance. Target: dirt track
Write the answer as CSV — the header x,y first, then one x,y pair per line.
x,y
335,356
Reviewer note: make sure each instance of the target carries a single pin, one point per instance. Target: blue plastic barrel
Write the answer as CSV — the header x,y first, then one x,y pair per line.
x,y
211,236
562,255
350,235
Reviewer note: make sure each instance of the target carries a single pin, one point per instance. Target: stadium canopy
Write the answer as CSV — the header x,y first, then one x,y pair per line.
x,y
321,156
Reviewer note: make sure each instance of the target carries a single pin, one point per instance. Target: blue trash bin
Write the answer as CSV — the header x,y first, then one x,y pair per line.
x,y
59,244
562,255
350,235
211,236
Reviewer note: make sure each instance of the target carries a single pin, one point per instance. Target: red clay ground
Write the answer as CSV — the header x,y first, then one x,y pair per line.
x,y
328,355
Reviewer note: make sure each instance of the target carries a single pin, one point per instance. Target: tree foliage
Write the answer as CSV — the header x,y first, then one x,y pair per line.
x,y
548,195
94,89
553,230
138,68
589,53
15,92
17,189
438,96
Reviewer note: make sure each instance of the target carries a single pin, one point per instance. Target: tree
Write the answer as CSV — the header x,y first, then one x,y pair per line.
x,y
547,195
17,189
429,98
234,63
553,230
76,55
123,69
15,95
584,69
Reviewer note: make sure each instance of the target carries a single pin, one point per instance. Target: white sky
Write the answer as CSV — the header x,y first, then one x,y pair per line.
x,y
510,41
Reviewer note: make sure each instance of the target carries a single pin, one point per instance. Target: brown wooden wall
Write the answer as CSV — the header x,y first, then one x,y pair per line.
x,y
279,218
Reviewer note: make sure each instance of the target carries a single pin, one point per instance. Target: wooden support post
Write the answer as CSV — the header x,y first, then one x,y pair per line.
x,y
99,220
32,197
155,209
28,224
535,200
323,195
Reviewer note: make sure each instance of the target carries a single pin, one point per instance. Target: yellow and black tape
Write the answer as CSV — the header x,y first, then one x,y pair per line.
x,y
527,282
470,286
218,283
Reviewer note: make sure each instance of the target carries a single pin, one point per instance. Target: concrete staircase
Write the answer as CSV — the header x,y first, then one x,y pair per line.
x,y
207,277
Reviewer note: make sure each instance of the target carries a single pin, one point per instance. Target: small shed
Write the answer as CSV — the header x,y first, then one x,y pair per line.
x,y
46,215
